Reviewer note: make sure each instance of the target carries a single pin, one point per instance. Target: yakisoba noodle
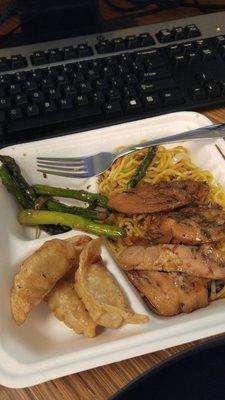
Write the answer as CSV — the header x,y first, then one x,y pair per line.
x,y
168,164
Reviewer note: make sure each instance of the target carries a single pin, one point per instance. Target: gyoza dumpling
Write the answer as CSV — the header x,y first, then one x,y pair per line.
x,y
64,302
100,292
40,272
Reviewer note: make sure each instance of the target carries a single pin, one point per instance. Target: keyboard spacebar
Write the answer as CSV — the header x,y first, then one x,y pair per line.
x,y
84,113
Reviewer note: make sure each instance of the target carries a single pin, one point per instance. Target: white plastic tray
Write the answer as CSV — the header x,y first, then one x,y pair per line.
x,y
44,348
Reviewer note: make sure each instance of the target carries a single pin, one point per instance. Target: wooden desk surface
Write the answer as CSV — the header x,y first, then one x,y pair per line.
x,y
100,383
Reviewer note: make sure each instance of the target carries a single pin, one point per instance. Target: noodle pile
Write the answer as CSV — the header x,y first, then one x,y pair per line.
x,y
168,165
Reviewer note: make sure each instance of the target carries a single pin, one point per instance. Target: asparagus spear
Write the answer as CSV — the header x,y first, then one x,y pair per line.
x,y
82,195
15,173
54,205
13,180
34,217
12,187
142,167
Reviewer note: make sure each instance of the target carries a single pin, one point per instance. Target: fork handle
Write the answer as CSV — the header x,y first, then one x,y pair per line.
x,y
207,132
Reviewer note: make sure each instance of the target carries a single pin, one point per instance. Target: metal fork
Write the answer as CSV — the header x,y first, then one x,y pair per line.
x,y
85,167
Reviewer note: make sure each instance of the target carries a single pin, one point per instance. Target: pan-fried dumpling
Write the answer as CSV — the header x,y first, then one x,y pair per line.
x,y
100,292
64,302
40,272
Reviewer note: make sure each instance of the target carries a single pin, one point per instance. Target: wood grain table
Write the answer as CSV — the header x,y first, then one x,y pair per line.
x,y
99,383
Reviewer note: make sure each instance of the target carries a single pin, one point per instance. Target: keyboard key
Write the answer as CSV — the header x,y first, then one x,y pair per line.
x,y
222,86
5,79
20,77
30,86
47,83
174,49
15,113
130,79
69,53
178,33
156,86
179,60
2,91
222,51
203,77
172,97
192,31
124,68
125,58
84,88
155,62
113,95
5,103
93,74
14,88
109,62
39,58
35,75
67,69
61,80
2,119
188,47
132,106
65,104
32,110
144,39
164,36
21,100
82,100
202,44
51,72
193,58
219,40
101,85
52,94
115,82
97,98
131,42
151,102
118,44
129,91
113,109
207,54
54,55
83,50
212,89
18,61
70,90
110,71
4,64
78,77
37,97
198,93
154,75
104,46
49,106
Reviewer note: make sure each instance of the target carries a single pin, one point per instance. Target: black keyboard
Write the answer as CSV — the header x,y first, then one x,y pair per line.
x,y
47,91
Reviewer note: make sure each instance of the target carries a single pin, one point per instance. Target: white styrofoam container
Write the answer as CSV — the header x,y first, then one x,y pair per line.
x,y
44,348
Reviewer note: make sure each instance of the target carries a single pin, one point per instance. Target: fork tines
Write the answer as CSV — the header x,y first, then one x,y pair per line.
x,y
67,167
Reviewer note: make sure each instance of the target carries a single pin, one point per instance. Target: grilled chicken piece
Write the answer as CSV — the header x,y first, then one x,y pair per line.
x,y
171,294
203,261
162,196
191,225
